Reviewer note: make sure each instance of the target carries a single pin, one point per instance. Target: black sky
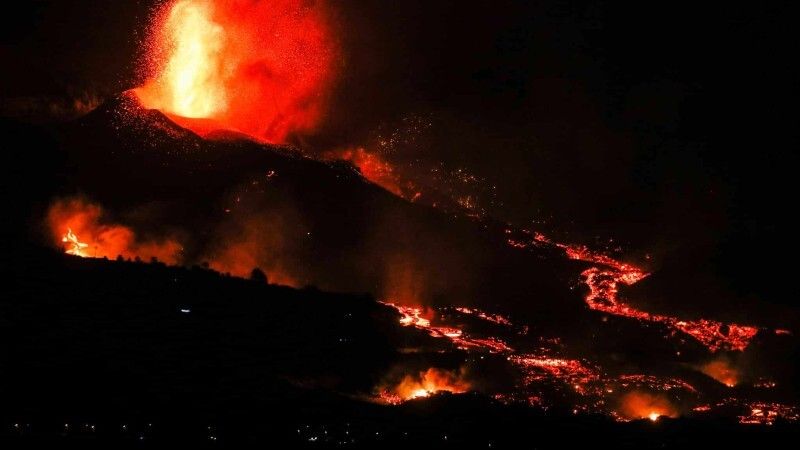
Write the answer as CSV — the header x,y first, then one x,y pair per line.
x,y
666,125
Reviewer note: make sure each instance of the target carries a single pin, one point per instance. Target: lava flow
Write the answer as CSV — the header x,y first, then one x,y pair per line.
x,y
603,282
375,169
546,374
413,316
260,68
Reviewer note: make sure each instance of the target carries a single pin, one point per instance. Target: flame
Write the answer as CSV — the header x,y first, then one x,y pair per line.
x,y
73,218
260,68
76,246
642,405
721,370
425,384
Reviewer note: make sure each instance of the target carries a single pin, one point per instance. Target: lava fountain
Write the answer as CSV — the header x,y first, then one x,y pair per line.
x,y
257,67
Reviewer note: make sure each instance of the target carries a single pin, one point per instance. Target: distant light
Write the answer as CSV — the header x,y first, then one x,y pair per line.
x,y
653,416
186,310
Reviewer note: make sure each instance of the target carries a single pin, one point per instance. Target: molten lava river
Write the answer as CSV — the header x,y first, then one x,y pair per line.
x,y
551,376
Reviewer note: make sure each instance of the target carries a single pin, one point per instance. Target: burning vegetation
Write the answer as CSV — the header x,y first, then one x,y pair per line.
x,y
84,231
424,384
642,405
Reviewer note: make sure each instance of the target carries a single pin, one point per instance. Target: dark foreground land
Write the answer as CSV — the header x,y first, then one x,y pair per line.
x,y
131,354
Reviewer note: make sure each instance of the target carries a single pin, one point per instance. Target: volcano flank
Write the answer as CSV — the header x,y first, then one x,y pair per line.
x,y
204,287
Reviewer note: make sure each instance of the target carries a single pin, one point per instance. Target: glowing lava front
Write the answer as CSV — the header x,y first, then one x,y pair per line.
x,y
603,282
260,68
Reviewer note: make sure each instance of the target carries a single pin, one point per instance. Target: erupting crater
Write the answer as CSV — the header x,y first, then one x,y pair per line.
x,y
259,68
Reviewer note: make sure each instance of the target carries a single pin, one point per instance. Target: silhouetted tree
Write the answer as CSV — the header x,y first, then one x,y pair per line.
x,y
120,258
258,275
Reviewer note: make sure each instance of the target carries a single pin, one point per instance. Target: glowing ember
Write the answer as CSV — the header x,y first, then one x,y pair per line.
x,y
261,68
762,413
76,246
654,383
539,367
496,318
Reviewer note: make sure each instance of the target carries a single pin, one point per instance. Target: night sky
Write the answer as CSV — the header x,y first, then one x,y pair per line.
x,y
664,125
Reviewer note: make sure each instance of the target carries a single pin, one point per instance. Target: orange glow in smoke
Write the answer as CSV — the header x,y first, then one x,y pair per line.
x,y
721,370
258,67
603,282
79,226
240,258
257,240
641,405
377,170
75,246
425,384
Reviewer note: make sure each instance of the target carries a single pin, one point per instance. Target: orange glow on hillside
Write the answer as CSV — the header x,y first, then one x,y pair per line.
x,y
425,384
257,67
79,226
261,241
377,170
641,405
721,370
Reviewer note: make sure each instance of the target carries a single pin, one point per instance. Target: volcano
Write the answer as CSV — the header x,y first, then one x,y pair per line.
x,y
311,224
